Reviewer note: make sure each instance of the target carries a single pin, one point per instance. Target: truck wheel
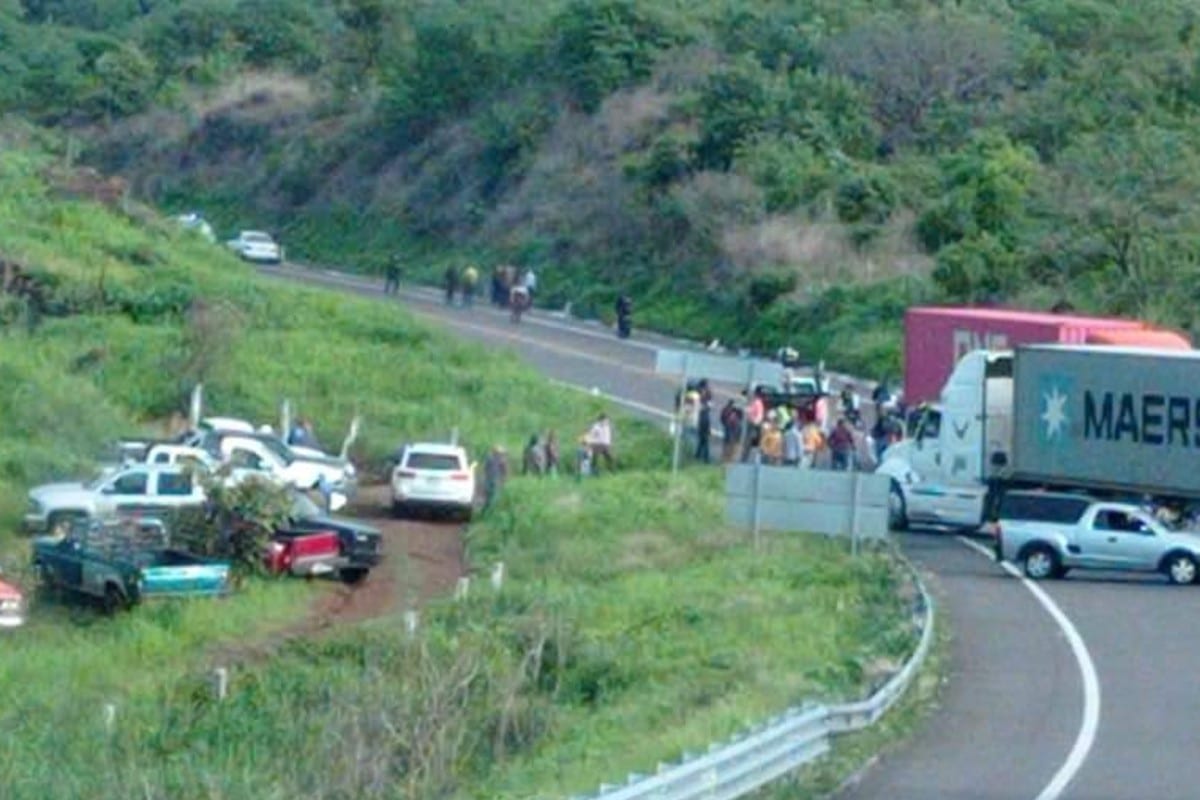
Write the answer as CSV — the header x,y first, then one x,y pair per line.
x,y
897,509
114,599
354,575
1040,562
1180,569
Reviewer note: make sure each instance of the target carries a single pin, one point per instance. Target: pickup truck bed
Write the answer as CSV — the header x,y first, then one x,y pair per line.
x,y
119,564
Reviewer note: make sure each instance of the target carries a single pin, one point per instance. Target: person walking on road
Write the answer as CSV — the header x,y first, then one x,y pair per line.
x,y
470,279
495,473
391,275
530,282
600,440
450,281
624,309
704,432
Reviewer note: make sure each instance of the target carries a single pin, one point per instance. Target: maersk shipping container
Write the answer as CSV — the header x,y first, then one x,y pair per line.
x,y
936,337
1116,418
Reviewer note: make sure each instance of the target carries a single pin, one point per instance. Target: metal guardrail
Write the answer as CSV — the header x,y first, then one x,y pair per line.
x,y
798,737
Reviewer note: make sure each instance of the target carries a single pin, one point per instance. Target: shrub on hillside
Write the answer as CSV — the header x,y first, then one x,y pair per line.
x,y
603,45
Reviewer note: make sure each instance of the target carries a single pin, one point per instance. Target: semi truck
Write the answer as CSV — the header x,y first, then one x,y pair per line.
x,y
936,337
1109,421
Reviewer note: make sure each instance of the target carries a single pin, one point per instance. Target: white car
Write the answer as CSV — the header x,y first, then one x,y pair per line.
x,y
257,246
435,477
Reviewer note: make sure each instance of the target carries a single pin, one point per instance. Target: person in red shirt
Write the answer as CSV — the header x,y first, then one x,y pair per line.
x,y
756,414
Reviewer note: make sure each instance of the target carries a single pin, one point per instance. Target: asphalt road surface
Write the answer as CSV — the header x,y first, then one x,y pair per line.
x,y
1080,689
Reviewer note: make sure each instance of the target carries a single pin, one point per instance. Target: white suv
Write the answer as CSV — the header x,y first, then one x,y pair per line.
x,y
435,477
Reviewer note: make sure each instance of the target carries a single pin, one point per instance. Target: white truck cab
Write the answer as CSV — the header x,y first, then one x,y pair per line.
x,y
940,475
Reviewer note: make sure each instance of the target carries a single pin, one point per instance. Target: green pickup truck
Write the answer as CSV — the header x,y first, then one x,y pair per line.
x,y
124,562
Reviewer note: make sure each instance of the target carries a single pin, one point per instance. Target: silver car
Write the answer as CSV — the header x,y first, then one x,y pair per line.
x,y
1047,534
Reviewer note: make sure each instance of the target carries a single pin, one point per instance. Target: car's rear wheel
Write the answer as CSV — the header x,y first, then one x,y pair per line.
x,y
354,575
1040,562
399,509
1181,569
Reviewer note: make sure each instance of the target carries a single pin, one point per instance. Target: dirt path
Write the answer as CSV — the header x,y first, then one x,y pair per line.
x,y
422,559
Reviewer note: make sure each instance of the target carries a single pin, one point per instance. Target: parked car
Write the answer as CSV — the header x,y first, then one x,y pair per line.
x,y
267,452
1047,534
433,476
124,562
141,488
257,246
12,606
361,544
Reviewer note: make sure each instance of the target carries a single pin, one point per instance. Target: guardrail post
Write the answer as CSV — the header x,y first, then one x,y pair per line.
x,y
463,588
411,620
110,717
220,682
498,576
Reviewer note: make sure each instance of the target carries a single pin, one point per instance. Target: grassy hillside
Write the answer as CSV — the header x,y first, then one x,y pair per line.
x,y
135,312
628,607
758,171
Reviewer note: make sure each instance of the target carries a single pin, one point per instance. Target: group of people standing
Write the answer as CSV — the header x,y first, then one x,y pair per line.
x,y
510,288
542,456
785,435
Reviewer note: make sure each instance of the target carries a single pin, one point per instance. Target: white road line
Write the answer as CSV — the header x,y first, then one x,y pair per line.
x,y
1091,683
612,398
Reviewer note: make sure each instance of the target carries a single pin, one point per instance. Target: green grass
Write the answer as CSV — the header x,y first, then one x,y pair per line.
x,y
632,626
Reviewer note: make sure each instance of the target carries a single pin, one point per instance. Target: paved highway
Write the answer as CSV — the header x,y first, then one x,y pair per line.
x,y
1079,689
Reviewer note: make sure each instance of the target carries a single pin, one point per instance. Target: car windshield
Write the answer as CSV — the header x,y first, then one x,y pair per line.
x,y
280,449
99,477
433,461
303,507
253,236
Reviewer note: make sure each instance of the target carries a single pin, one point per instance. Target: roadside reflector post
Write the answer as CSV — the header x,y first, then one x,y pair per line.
x,y
498,576
411,620
463,589
110,717
220,682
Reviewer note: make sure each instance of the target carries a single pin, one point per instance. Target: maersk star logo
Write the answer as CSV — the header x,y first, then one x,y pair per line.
x,y
1055,415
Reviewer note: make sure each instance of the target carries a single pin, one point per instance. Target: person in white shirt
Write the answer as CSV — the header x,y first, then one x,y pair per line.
x,y
599,439
529,281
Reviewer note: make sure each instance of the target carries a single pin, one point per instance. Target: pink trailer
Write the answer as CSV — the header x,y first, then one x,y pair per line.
x,y
936,337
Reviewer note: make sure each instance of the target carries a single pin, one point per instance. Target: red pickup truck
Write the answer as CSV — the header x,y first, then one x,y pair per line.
x,y
307,553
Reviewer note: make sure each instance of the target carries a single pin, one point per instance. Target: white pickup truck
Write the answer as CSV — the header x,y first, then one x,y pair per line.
x,y
1049,533
137,488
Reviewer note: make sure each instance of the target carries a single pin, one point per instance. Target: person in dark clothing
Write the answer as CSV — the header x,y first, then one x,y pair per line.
x,y
731,429
841,446
451,283
704,432
624,309
391,275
